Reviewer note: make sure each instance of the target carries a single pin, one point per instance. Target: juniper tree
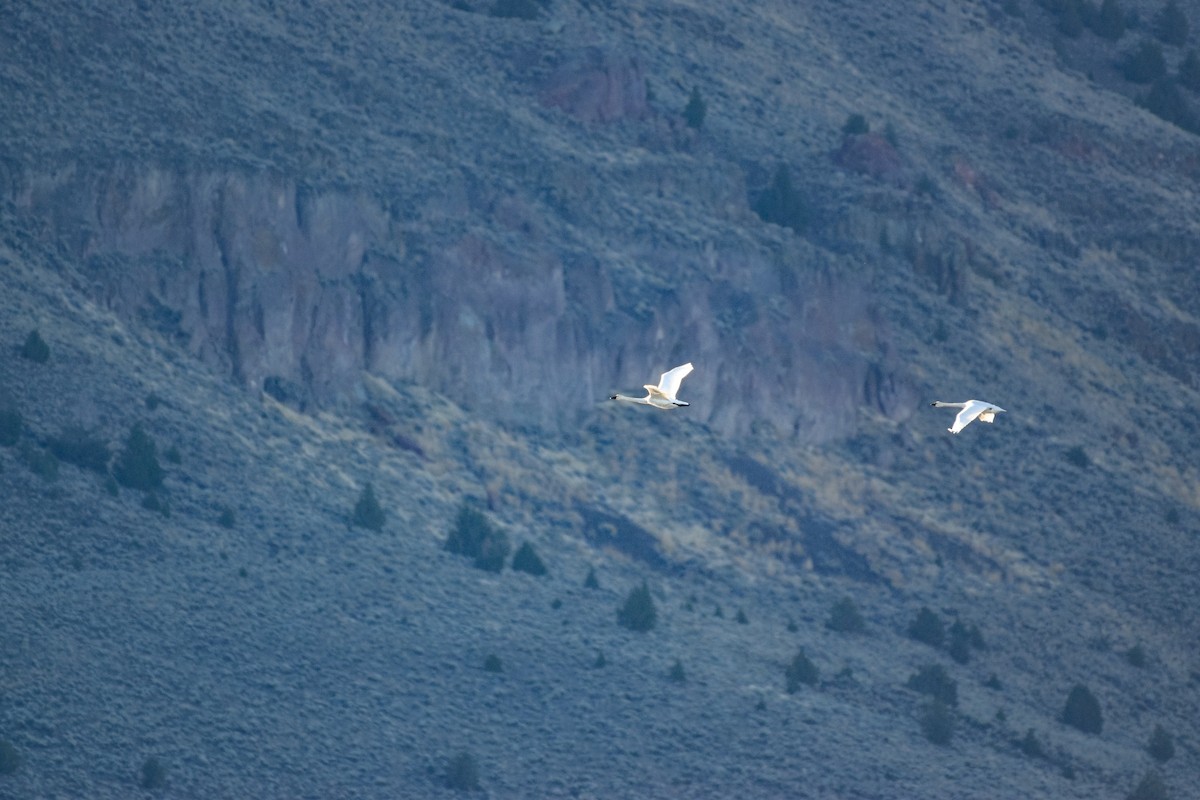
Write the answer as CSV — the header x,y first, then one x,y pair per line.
x,y
137,465
367,511
1082,710
638,612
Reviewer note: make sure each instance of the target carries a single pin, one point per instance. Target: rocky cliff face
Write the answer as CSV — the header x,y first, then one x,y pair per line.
x,y
296,293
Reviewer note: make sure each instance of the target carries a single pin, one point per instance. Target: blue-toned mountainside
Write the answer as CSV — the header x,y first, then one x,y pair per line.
x,y
264,262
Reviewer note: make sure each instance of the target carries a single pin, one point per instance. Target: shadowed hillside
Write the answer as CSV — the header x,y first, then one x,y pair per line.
x,y
275,254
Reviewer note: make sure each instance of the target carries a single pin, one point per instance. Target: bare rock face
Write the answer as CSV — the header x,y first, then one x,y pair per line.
x,y
298,293
598,85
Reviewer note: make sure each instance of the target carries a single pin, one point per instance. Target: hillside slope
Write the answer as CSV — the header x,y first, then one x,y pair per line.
x,y
417,247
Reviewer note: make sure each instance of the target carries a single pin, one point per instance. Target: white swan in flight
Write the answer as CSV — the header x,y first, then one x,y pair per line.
x,y
971,410
663,395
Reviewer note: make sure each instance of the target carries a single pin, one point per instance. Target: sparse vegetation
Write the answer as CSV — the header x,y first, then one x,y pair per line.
x,y
10,760
154,774
937,723
1151,787
934,681
137,465
638,612
527,560
462,772
85,450
801,672
1082,710
367,511
473,536
1162,745
927,627
10,427
1171,25
845,617
35,348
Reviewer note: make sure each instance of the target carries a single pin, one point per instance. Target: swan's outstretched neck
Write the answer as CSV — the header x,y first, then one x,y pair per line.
x,y
940,404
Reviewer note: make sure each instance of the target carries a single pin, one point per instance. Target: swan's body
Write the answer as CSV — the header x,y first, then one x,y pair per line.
x,y
971,410
663,395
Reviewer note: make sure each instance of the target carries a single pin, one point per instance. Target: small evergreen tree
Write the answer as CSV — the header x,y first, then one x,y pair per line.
x,y
1031,746
1171,25
493,663
638,612
462,773
526,559
137,465
927,627
695,110
516,9
781,204
1070,19
844,617
367,511
473,536
1136,656
1162,745
677,675
591,581
227,519
935,682
855,125
1082,710
801,672
1167,102
35,348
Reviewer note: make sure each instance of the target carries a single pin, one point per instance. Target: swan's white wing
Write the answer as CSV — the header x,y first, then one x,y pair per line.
x,y
970,411
668,384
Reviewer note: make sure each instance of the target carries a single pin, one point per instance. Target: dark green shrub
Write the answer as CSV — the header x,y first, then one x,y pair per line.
x,y
40,462
1189,72
493,664
1076,457
526,559
137,465
1171,25
927,627
1162,745
473,536
937,723
462,773
1070,19
677,675
154,774
227,518
962,640
741,618
367,511
934,681
1136,656
801,672
601,662
1082,710
172,455
1031,746
781,204
516,9
1110,20
844,617
35,348
1145,64
1166,101
638,612
10,427
855,125
77,446
10,760
153,401
1151,787
695,110
153,501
